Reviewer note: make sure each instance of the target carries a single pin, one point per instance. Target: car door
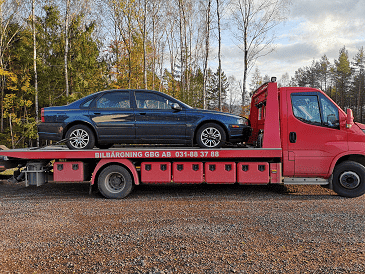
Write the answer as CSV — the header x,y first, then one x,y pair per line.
x,y
315,135
113,116
156,120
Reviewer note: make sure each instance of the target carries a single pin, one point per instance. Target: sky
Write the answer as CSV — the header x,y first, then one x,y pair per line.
x,y
313,28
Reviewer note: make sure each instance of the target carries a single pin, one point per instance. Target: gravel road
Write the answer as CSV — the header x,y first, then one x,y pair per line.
x,y
60,228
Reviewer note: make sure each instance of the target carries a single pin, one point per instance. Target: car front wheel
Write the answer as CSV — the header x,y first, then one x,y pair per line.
x,y
80,137
210,135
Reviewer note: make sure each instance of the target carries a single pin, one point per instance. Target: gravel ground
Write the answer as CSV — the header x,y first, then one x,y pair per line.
x,y
60,228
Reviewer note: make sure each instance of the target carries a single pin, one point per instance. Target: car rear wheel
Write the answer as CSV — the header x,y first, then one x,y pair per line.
x,y
210,135
80,137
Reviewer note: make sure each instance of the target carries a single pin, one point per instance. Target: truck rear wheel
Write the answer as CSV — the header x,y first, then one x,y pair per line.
x,y
115,182
349,179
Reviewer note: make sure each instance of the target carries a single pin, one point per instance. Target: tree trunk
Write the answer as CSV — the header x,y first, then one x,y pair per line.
x,y
66,47
219,60
35,69
207,29
144,45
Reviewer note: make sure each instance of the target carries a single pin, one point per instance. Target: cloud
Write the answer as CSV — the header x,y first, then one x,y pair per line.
x,y
313,29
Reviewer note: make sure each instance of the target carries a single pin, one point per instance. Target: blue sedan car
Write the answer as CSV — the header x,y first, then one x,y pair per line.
x,y
138,117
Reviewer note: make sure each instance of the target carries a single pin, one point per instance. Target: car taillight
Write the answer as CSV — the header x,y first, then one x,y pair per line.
x,y
42,115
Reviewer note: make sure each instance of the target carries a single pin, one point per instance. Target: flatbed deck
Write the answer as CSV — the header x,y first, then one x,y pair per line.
x,y
49,153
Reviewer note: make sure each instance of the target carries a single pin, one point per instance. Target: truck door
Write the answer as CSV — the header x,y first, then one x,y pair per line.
x,y
315,133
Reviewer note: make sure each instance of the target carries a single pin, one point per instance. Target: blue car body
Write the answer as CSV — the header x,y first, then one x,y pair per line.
x,y
139,116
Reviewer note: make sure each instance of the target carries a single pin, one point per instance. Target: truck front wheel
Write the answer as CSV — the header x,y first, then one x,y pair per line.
x,y
115,182
349,179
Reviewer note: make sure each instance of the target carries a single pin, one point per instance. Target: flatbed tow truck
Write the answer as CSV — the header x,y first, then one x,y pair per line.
x,y
299,136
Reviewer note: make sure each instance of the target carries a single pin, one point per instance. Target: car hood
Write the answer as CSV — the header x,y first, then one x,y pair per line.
x,y
205,111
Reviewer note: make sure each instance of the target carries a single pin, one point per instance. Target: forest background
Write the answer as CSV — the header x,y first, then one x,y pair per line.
x,y
53,52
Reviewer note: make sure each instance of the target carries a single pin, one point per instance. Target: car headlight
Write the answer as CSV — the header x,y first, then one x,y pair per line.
x,y
243,121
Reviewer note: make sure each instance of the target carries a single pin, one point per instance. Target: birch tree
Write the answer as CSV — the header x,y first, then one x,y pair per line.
x,y
9,10
207,37
255,21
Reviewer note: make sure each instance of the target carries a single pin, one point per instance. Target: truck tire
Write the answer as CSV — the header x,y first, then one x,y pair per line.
x,y
115,182
80,137
260,140
210,135
349,179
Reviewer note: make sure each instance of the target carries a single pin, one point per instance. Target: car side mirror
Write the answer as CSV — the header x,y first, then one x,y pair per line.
x,y
176,106
349,118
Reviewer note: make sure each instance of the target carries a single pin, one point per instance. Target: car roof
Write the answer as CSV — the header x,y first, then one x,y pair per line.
x,y
84,99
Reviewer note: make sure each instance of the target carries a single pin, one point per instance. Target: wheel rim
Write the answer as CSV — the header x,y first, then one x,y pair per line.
x,y
211,137
115,182
79,138
349,180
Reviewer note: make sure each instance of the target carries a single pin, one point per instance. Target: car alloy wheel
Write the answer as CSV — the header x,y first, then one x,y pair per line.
x,y
79,138
211,137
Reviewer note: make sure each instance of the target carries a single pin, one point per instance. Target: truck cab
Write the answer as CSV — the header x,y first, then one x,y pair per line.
x,y
318,139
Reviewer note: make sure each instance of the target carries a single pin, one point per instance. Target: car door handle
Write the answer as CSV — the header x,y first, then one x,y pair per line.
x,y
142,113
97,113
293,137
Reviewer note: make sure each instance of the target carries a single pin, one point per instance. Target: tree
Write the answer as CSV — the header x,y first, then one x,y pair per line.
x,y
359,66
233,96
9,10
219,54
35,67
343,75
213,96
255,21
256,80
324,72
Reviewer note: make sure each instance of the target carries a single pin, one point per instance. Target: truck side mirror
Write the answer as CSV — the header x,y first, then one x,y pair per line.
x,y
349,118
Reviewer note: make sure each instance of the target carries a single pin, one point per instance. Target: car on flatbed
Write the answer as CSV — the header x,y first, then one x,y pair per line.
x,y
139,117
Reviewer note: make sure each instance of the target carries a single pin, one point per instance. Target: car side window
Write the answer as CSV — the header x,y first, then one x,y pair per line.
x,y
306,108
118,100
87,103
147,100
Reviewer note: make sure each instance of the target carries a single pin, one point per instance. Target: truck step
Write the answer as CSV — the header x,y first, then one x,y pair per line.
x,y
305,181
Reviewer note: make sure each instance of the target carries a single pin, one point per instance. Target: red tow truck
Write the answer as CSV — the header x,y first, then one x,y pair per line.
x,y
299,136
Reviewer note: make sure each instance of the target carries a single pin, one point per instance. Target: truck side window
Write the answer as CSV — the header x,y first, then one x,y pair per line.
x,y
329,113
306,108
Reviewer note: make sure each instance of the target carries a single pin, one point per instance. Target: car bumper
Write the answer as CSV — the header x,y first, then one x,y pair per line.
x,y
50,131
239,134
